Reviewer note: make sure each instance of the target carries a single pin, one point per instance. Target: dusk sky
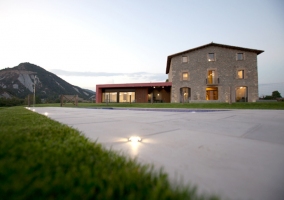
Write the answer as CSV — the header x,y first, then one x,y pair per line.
x,y
121,41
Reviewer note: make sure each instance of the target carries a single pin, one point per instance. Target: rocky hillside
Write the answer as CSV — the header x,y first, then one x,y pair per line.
x,y
19,82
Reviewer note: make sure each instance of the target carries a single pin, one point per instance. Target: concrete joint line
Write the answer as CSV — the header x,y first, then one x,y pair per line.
x,y
162,132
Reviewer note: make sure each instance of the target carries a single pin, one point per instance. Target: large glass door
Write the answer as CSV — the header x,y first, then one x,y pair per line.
x,y
211,77
184,95
212,93
241,94
110,97
126,97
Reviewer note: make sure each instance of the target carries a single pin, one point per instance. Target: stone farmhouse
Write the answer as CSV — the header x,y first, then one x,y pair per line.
x,y
209,73
214,72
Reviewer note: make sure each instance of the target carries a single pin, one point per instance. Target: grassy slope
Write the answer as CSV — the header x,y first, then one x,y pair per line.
x,y
257,105
43,159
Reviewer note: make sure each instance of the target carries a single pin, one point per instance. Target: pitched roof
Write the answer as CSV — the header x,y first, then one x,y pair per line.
x,y
207,45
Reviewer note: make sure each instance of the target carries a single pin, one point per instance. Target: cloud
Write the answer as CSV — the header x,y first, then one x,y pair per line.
x,y
136,75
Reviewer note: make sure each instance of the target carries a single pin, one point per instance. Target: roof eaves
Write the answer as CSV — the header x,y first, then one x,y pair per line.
x,y
179,53
215,44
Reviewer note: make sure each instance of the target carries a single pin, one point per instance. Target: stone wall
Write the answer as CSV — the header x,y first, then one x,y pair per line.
x,y
226,66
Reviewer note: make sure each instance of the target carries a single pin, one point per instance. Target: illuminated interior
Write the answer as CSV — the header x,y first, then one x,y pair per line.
x,y
114,97
110,97
212,93
184,76
211,77
185,94
211,57
126,97
241,74
241,94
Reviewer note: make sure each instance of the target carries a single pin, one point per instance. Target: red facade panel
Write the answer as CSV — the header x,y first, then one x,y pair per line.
x,y
141,95
98,94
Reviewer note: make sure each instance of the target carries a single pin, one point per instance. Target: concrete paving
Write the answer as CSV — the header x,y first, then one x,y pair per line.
x,y
237,154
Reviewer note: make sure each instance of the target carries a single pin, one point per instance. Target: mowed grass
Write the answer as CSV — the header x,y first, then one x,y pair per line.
x,y
255,105
43,159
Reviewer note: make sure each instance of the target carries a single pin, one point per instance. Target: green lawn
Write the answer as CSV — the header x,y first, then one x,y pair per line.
x,y
257,105
43,159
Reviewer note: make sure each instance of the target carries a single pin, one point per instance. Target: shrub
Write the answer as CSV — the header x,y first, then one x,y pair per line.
x,y
5,102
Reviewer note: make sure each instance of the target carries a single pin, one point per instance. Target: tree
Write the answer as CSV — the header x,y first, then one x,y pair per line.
x,y
7,102
276,94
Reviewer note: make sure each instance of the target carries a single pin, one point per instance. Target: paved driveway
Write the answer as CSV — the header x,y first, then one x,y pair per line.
x,y
237,154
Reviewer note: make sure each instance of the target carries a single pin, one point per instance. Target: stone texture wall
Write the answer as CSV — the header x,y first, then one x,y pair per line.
x,y
226,66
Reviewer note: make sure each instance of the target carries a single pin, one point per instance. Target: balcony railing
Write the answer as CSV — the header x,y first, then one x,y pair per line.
x,y
212,81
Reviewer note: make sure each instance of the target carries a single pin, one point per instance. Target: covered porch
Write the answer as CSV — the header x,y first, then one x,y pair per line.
x,y
159,92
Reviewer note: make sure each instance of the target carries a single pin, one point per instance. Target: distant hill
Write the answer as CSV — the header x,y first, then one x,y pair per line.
x,y
18,82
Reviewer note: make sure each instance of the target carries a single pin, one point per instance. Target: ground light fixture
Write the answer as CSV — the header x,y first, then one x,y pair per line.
x,y
134,139
46,113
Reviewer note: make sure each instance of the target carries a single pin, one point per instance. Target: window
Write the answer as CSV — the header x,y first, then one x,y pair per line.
x,y
109,97
241,74
211,93
211,77
126,97
211,56
185,76
240,56
241,94
184,95
184,59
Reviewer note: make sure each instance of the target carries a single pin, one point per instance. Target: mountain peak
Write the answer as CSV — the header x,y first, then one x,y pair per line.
x,y
30,67
19,81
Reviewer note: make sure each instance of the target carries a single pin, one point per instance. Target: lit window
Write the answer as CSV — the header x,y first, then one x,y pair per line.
x,y
241,94
185,76
240,74
109,97
184,59
126,97
211,56
240,56
185,94
212,93
211,77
